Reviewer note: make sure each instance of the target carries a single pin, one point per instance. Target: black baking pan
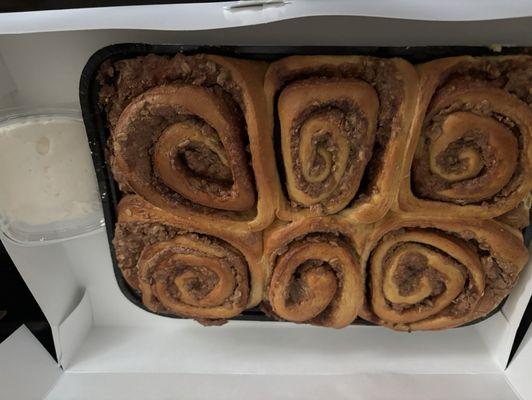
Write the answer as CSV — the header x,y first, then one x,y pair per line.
x,y
98,134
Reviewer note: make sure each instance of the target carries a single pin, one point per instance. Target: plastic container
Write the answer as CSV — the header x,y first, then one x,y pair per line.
x,y
48,186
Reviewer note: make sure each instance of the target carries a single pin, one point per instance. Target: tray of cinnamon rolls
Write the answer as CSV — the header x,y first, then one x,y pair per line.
x,y
385,186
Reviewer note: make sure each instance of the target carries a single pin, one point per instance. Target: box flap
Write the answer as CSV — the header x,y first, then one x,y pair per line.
x,y
525,324
519,371
219,15
47,272
7,86
74,330
264,387
179,346
500,330
27,370
517,308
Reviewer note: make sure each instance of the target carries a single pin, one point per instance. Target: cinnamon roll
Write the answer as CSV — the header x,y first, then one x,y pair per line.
x,y
399,194
313,272
190,135
470,146
436,273
182,267
342,127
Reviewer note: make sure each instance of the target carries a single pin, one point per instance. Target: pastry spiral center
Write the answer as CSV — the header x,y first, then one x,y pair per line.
x,y
327,136
200,281
323,149
193,277
316,281
470,150
473,148
416,273
311,289
190,158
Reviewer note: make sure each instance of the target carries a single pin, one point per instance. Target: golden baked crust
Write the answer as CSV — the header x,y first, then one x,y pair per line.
x,y
470,150
313,271
184,266
344,122
436,273
399,194
190,135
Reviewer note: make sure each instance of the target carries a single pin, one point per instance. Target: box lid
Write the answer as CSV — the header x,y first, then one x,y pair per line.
x,y
222,14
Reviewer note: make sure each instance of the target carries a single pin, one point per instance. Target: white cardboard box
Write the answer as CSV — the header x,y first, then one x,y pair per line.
x,y
110,349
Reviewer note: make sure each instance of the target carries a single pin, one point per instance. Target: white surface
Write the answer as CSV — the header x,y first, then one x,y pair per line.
x,y
98,386
47,175
216,15
27,372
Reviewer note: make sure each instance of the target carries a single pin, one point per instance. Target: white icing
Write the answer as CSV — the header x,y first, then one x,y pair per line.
x,y
46,172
